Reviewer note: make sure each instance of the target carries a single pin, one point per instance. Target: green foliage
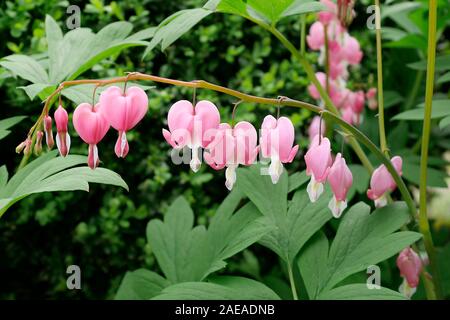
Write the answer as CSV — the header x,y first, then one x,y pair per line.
x,y
47,174
362,240
6,124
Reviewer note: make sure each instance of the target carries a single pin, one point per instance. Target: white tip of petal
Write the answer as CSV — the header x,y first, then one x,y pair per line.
x,y
96,159
195,162
406,290
230,177
58,142
381,201
337,207
123,144
68,142
314,189
275,170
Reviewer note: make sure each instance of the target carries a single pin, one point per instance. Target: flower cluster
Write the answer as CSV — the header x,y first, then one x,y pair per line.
x,y
117,108
199,127
338,50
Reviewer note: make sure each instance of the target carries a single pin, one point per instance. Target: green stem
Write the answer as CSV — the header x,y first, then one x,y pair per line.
x,y
302,33
383,143
424,225
292,282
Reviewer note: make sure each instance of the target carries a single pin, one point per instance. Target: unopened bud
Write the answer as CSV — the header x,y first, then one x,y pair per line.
x,y
38,144
48,132
27,149
20,147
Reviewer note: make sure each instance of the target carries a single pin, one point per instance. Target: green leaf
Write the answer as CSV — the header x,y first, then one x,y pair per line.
x,y
444,78
175,26
35,89
360,292
302,7
444,122
185,253
435,178
140,284
413,41
5,124
296,180
441,108
250,287
364,239
47,173
54,37
360,181
293,226
25,67
235,288
442,64
3,176
271,10
313,264
392,98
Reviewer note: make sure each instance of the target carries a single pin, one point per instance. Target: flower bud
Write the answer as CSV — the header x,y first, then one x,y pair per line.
x,y
48,132
27,149
38,144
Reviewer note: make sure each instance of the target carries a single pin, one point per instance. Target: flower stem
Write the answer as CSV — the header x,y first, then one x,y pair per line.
x,y
292,282
424,225
382,132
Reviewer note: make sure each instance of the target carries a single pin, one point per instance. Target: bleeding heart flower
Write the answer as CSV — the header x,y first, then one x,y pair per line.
x,y
382,182
371,98
351,50
318,161
330,13
48,132
358,101
38,144
410,266
123,110
92,126
334,91
62,137
316,37
314,128
276,142
340,179
192,127
232,147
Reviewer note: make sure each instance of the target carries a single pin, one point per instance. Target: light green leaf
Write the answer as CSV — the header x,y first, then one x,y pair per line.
x,y
250,287
413,41
140,284
313,264
271,10
435,178
54,37
297,179
360,292
7,123
444,78
302,7
365,239
25,67
293,226
444,122
440,108
361,179
213,291
3,176
35,89
442,64
48,173
175,26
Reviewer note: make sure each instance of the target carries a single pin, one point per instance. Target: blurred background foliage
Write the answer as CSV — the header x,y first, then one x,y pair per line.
x,y
103,231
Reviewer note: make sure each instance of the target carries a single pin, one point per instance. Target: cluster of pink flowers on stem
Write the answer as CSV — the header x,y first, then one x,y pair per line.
x,y
338,50
199,127
117,108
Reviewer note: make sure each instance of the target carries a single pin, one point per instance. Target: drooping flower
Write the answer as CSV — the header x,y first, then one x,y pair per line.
x,y
91,125
334,91
340,179
316,37
410,266
371,98
38,144
62,136
330,13
232,147
123,110
382,182
192,127
351,50
48,132
315,126
277,143
318,161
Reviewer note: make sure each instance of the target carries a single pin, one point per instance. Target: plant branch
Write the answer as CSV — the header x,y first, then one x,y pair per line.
x,y
424,225
292,282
